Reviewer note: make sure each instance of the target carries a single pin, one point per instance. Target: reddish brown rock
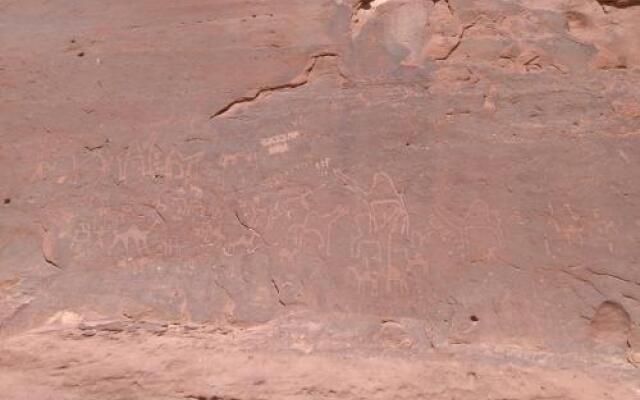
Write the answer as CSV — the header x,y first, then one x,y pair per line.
x,y
621,3
441,189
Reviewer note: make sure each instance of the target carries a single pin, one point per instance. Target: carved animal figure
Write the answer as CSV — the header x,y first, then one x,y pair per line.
x,y
133,236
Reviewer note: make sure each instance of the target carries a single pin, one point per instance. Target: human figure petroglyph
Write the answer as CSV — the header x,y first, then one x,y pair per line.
x,y
81,239
132,156
82,234
322,166
172,247
366,278
382,230
384,202
90,235
179,166
388,214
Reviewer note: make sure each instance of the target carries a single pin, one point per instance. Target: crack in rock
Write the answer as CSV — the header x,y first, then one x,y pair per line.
x,y
155,209
250,228
460,37
51,262
212,397
620,3
613,276
98,147
47,248
221,286
297,82
275,286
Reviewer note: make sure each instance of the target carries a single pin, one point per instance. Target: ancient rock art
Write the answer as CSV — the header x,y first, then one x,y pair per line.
x,y
279,143
133,240
382,232
238,158
316,229
367,280
148,159
425,198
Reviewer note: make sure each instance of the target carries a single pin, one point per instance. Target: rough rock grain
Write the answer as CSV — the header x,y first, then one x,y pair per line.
x,y
443,193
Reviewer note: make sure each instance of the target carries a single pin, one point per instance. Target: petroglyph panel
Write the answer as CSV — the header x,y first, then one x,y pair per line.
x,y
404,158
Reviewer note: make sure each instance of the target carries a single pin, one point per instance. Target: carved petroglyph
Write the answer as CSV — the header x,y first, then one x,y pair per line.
x,y
41,171
367,226
138,159
385,205
396,278
315,230
477,234
483,232
132,239
110,232
173,247
367,280
210,233
381,238
179,166
279,148
238,158
322,166
279,143
149,160
278,179
567,224
570,227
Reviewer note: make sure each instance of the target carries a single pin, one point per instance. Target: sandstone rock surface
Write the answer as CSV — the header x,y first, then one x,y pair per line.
x,y
223,199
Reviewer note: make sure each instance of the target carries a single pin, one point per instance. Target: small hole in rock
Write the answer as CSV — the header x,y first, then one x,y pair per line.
x,y
7,201
81,54
365,4
474,318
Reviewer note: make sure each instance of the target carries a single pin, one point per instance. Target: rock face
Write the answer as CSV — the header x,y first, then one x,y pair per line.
x,y
462,172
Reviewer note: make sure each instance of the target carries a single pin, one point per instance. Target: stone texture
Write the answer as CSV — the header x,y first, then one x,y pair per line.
x,y
455,180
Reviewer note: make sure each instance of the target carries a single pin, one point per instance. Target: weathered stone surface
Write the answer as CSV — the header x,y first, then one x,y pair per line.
x,y
465,171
